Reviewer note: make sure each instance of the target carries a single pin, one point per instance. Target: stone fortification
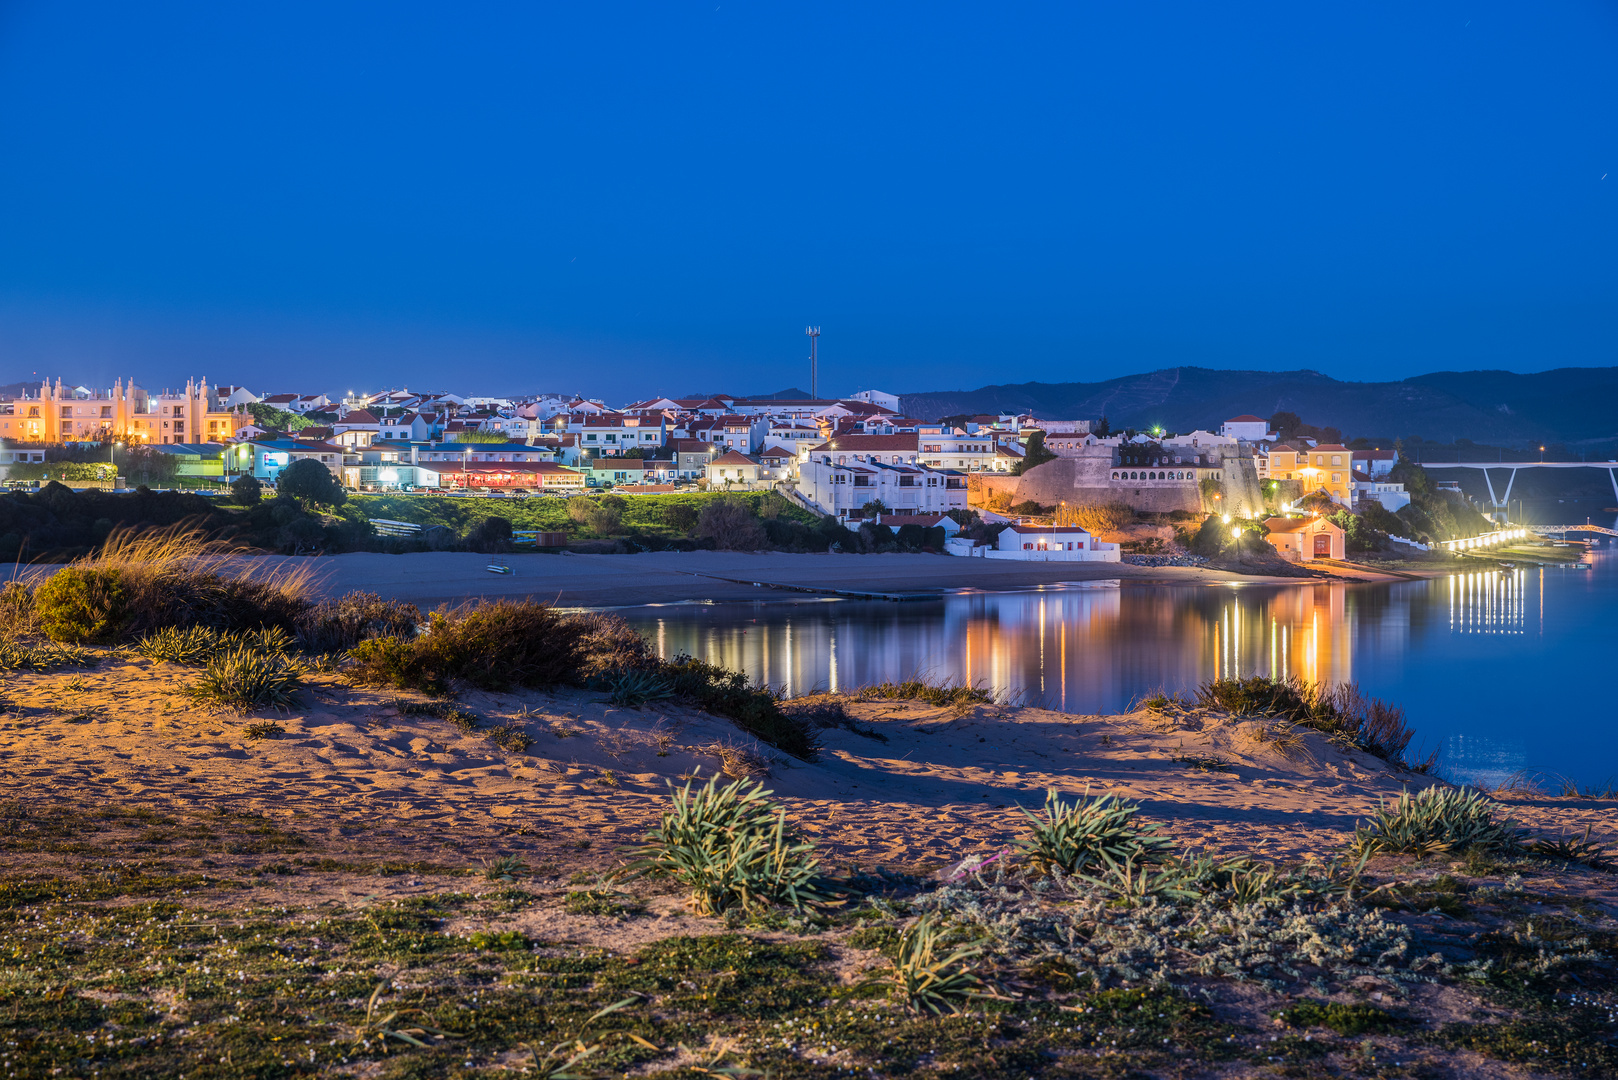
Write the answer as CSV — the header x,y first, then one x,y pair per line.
x,y
1095,474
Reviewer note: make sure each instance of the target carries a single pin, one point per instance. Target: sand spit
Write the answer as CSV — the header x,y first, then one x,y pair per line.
x,y
911,785
431,578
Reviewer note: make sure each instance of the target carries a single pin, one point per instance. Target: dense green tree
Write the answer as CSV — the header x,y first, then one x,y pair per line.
x,y
1034,454
246,491
311,484
268,416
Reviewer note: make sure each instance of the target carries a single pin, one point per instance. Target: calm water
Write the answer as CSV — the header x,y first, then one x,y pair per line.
x,y
1501,672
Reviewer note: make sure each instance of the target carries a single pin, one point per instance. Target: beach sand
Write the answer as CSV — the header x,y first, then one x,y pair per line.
x,y
916,786
433,578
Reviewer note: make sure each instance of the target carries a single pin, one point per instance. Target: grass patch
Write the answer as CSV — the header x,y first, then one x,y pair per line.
x,y
601,902
943,694
263,729
1347,1020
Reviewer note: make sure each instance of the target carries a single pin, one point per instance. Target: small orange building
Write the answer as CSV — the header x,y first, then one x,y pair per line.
x,y
1305,539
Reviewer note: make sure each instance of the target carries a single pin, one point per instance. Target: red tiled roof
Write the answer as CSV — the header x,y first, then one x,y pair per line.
x,y
1044,529
732,458
1247,418
868,443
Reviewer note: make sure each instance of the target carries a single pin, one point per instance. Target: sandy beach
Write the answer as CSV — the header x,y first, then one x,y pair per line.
x,y
433,578
921,786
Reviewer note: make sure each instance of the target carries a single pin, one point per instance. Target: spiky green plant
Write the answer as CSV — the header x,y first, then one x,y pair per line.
x,y
1089,834
196,645
504,868
636,687
49,656
1136,879
247,679
1436,820
1572,849
731,847
929,980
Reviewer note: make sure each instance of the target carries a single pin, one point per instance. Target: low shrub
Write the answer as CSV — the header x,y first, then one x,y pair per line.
x,y
81,604
1437,820
341,624
929,980
732,848
177,577
245,678
754,709
491,646
1089,835
1340,712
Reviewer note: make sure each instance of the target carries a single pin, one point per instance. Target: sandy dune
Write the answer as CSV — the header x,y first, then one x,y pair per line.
x,y
926,788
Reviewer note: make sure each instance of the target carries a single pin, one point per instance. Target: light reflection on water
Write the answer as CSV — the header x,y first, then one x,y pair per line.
x,y
1503,670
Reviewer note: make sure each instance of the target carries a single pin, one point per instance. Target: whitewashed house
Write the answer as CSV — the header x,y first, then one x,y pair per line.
x,y
1040,543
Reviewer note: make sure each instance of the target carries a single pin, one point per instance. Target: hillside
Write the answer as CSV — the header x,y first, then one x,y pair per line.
x,y
1569,405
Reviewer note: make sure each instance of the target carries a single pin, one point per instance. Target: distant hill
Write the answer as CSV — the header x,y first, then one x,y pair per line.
x,y
1567,405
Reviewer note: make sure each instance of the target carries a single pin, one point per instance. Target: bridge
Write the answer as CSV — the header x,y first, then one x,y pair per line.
x,y
1563,530
1610,466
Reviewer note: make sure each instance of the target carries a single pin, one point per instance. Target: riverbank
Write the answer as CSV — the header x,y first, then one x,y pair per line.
x,y
669,577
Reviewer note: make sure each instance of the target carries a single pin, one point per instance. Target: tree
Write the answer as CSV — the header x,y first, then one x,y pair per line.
x,y
1101,429
874,507
311,483
481,437
245,490
1034,455
730,524
268,416
1286,425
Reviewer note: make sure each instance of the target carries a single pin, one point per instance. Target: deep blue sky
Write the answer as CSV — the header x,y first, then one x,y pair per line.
x,y
627,199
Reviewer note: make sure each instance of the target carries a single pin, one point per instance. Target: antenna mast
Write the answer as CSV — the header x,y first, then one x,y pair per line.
x,y
814,337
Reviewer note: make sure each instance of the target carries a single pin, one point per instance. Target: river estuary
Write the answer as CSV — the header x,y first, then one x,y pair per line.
x,y
1503,672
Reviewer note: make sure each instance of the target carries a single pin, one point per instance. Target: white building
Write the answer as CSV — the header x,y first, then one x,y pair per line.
x,y
1040,543
844,489
1248,428
1390,494
955,449
878,397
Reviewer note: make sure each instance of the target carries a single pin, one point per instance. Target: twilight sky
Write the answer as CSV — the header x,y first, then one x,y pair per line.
x,y
627,199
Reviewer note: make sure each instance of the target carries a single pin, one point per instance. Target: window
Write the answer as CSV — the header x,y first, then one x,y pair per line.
x,y
1336,459
67,410
179,410
106,411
